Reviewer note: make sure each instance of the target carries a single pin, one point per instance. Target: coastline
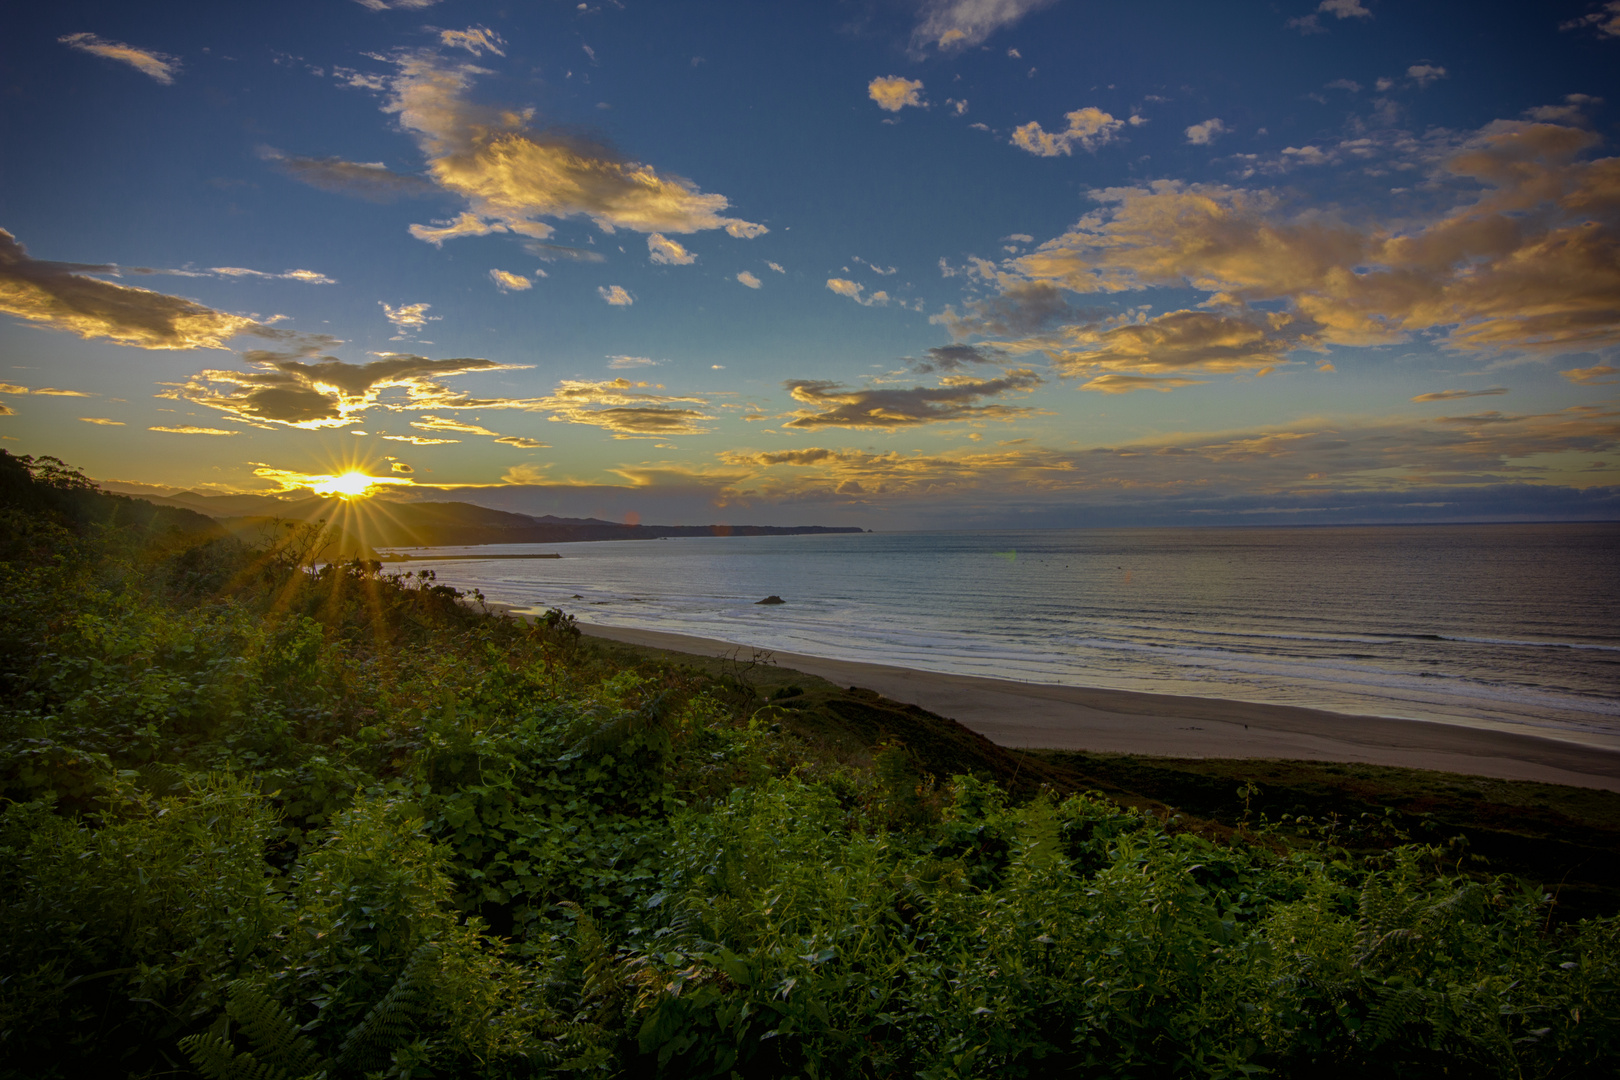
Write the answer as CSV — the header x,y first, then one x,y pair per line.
x,y
1052,717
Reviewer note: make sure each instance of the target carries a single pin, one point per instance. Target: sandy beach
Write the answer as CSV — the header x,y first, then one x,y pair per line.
x,y
1034,715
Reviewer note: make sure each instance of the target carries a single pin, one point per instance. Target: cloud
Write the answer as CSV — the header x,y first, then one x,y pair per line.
x,y
1124,384
44,391
1186,340
833,405
102,421
523,442
417,440
53,295
1088,128
1345,84
1605,21
615,295
509,282
1309,465
623,362
475,39
894,92
160,66
400,467
396,5
435,423
308,277
1206,133
1453,395
188,430
1528,260
853,290
511,176
1342,9
408,318
369,180
625,409
661,249
291,390
1424,74
777,267
1601,375
749,280
959,24
957,357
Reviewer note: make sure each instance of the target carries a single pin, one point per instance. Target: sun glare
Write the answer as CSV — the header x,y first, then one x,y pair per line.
x,y
349,485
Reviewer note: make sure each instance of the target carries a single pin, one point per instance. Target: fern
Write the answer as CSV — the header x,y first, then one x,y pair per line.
x,y
385,1028
272,1030
280,1050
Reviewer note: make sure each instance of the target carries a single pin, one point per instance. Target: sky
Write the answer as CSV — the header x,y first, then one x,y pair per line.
x,y
892,263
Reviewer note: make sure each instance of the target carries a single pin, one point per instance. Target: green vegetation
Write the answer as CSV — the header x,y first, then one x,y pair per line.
x,y
264,819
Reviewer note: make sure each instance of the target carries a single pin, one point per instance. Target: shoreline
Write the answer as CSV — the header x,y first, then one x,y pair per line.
x,y
1054,717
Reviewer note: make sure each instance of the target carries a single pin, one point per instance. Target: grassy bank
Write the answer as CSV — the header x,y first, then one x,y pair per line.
x,y
261,820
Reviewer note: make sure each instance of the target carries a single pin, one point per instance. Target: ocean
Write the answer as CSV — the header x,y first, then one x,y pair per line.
x,y
1513,627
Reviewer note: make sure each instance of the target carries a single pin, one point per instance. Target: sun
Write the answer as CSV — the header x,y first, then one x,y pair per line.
x,y
349,485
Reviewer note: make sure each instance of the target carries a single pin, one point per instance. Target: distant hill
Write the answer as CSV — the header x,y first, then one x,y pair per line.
x,y
381,523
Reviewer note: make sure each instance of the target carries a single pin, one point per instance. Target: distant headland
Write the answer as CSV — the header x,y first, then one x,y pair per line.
x,y
368,525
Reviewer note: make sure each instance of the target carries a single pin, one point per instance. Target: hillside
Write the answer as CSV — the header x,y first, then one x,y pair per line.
x,y
382,522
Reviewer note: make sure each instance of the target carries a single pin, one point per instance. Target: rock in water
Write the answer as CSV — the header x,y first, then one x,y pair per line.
x,y
772,599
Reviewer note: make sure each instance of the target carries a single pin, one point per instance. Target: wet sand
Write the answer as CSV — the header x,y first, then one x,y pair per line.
x,y
1038,715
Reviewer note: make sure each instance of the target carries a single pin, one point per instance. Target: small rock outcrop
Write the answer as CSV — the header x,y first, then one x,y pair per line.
x,y
771,599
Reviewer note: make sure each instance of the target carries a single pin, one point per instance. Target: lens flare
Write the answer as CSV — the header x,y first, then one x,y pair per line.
x,y
349,485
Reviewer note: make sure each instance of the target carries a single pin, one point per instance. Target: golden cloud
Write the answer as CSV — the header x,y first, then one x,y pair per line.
x,y
954,400
53,295
1453,395
893,92
1390,455
509,282
190,430
1088,129
1532,263
512,176
615,295
661,249
160,66
102,421
1600,375
624,408
1125,384
44,391
330,392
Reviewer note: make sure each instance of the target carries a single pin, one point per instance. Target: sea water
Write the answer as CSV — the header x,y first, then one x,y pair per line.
x,y
1513,627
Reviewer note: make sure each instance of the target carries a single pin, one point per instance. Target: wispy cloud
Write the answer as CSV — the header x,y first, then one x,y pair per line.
x,y
625,409
661,249
513,176
408,318
325,392
475,39
369,180
55,296
854,290
308,277
832,405
1453,395
161,66
509,282
191,430
1088,129
1599,375
616,295
396,5
102,421
44,391
958,24
1125,384
624,362
1605,21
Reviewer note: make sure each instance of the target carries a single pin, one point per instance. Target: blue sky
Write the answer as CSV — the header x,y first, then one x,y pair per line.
x,y
896,264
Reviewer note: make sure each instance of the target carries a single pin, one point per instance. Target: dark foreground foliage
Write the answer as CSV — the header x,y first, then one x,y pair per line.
x,y
263,819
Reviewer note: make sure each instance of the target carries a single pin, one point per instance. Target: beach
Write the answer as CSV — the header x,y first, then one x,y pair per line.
x,y
1043,716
